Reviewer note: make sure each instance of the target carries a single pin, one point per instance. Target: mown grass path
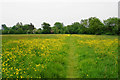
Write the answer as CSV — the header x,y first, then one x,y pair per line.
x,y
72,58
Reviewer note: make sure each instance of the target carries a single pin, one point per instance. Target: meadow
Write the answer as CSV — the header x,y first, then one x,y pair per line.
x,y
59,56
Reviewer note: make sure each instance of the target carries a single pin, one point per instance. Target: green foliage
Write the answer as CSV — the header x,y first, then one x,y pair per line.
x,y
46,28
4,27
58,25
111,25
95,26
11,31
58,28
118,26
76,26
92,25
5,31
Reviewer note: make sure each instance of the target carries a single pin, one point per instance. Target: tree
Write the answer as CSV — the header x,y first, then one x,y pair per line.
x,y
46,28
70,30
84,25
38,31
19,31
76,26
84,22
4,27
5,31
55,30
19,25
92,25
111,25
118,26
31,26
95,26
34,31
14,27
11,31
26,27
66,30
58,27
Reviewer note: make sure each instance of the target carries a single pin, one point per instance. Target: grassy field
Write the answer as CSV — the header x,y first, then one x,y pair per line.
x,y
59,56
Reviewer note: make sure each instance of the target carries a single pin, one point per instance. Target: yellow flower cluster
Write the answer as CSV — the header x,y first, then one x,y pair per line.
x,y
23,56
102,45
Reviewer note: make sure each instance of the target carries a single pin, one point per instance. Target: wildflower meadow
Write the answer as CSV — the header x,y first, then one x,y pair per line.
x,y
59,56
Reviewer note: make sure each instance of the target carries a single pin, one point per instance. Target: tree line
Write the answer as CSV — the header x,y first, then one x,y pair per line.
x,y
92,25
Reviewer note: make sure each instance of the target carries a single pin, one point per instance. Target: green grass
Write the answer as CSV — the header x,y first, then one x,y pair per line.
x,y
59,56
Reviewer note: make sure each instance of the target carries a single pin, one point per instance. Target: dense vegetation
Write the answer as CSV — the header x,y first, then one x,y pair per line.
x,y
59,56
87,26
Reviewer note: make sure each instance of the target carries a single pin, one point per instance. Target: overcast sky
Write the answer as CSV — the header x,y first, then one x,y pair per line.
x,y
51,11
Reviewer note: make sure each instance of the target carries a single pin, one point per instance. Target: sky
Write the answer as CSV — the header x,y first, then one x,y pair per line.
x,y
51,11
